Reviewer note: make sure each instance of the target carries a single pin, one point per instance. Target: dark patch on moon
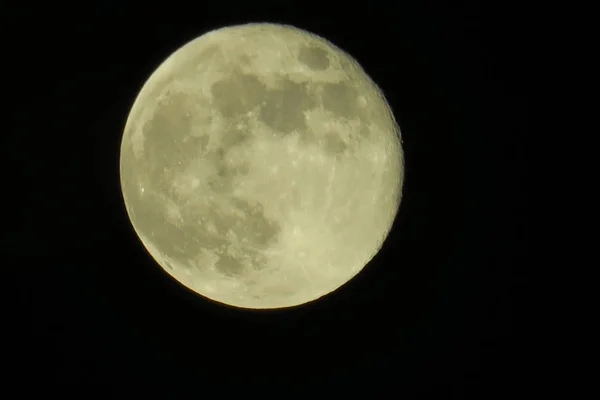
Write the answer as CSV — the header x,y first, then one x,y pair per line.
x,y
333,144
246,59
219,159
227,167
340,99
166,135
237,94
229,265
251,227
253,230
256,228
221,185
170,239
199,143
364,130
208,53
234,137
283,109
314,58
227,170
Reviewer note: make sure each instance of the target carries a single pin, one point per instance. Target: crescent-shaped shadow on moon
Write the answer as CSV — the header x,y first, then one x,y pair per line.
x,y
261,167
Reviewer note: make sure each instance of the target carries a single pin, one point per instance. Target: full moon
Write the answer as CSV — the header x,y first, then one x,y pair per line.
x,y
261,167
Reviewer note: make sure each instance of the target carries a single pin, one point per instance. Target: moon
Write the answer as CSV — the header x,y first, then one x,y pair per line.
x,y
261,167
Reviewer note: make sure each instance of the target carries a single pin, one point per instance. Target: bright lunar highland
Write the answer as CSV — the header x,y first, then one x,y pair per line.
x,y
261,167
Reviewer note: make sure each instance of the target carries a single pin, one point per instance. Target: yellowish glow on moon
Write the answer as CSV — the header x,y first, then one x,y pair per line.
x,y
261,167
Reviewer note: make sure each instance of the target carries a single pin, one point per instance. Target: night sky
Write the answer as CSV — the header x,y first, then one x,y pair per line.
x,y
437,311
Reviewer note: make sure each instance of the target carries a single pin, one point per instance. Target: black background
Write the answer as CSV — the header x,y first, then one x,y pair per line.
x,y
437,312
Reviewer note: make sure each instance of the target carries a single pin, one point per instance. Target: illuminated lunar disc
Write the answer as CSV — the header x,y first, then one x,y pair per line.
x,y
261,167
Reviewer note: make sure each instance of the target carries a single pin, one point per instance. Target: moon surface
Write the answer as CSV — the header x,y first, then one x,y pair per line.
x,y
261,167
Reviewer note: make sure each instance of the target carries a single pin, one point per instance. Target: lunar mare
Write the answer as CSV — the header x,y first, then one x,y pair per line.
x,y
261,167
